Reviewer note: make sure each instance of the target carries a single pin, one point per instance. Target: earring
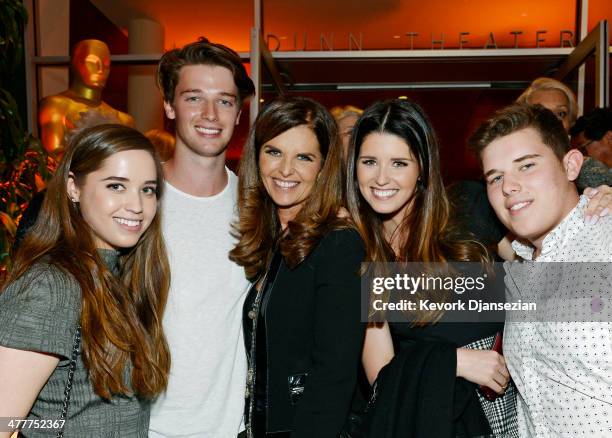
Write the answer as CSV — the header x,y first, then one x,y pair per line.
x,y
420,184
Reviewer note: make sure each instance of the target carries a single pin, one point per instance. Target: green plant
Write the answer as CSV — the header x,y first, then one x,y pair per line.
x,y
23,162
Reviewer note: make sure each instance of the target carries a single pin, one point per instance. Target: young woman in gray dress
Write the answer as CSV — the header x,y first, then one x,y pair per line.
x,y
82,351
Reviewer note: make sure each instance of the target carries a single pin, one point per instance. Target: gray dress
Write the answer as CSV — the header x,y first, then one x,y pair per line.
x,y
40,312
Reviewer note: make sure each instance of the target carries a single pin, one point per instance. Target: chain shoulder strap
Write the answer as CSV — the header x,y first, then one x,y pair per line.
x,y
269,274
71,369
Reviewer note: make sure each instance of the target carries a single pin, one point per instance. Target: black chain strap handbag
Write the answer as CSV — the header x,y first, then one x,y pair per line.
x,y
71,369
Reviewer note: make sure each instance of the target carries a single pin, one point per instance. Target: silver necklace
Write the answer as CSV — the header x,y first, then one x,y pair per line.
x,y
250,382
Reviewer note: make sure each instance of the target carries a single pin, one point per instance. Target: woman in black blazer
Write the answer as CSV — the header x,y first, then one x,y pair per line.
x,y
302,315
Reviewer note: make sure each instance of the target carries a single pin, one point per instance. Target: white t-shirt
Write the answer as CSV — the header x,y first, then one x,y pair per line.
x,y
203,319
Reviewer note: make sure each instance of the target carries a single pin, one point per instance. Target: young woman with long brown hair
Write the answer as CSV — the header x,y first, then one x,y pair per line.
x,y
301,317
81,339
397,200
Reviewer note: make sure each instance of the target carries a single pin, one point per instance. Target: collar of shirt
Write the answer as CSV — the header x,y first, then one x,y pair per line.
x,y
567,228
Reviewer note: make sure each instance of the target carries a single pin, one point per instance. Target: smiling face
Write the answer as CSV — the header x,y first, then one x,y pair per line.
x,y
529,188
387,173
118,201
555,101
206,110
288,166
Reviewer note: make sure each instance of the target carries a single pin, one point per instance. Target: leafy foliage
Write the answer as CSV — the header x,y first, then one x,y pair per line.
x,y
13,17
24,165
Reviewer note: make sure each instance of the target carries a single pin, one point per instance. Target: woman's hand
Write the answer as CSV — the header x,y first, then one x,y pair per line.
x,y
600,203
483,367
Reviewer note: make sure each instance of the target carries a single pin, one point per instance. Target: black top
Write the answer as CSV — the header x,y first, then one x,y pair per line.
x,y
475,219
309,326
457,333
418,396
258,412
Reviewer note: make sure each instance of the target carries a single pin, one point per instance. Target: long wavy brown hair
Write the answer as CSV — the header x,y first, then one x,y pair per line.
x,y
258,228
426,233
121,317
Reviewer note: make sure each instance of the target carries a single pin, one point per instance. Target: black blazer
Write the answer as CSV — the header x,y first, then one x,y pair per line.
x,y
314,338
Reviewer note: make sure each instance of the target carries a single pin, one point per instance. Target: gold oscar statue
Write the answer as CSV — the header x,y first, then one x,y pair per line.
x,y
81,104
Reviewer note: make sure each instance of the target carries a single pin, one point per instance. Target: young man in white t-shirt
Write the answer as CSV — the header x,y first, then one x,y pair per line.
x,y
561,365
203,85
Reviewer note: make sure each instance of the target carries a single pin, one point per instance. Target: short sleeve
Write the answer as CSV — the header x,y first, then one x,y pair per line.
x,y
40,312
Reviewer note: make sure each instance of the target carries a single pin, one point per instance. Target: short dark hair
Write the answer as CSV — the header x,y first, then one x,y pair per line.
x,y
206,53
594,124
520,116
